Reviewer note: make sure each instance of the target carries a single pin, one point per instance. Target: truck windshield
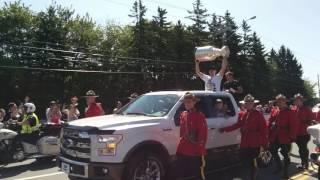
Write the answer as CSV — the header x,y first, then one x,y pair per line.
x,y
151,105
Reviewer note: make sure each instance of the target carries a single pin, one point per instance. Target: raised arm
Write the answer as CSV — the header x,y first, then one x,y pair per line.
x,y
198,72
224,66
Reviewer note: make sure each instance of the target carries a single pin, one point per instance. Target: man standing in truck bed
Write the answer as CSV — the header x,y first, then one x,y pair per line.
x,y
193,137
213,79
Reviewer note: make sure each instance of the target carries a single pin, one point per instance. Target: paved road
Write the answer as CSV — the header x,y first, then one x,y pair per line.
x,y
30,170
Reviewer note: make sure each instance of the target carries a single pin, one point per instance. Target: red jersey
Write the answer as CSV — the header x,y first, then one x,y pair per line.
x,y
282,126
193,134
94,109
304,117
254,130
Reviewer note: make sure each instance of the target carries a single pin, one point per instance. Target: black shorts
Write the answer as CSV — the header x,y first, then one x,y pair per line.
x,y
190,166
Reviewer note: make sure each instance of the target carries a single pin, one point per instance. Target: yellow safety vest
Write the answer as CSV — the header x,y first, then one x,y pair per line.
x,y
27,128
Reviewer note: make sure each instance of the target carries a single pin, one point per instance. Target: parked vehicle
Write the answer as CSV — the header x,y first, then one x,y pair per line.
x,y
46,145
140,140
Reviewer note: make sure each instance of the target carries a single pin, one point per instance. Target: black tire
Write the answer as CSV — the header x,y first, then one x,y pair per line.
x,y
139,160
45,159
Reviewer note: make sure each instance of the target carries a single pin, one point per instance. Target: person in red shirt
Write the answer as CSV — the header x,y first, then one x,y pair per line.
x,y
94,108
282,132
193,137
304,117
254,134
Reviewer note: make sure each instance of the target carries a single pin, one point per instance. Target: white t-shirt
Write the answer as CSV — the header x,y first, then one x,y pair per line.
x,y
212,83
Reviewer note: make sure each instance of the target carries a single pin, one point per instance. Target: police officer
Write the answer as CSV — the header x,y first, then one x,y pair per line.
x,y
254,136
94,108
193,137
30,123
282,132
304,117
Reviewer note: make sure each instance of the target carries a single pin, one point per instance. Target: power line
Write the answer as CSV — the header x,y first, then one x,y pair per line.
x,y
89,71
169,5
119,62
101,55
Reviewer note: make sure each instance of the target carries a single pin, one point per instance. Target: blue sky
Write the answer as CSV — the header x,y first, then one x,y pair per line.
x,y
291,22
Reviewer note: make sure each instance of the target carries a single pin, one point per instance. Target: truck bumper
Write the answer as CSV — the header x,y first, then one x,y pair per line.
x,y
105,171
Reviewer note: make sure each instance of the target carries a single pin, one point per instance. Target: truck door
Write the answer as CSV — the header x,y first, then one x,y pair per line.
x,y
220,146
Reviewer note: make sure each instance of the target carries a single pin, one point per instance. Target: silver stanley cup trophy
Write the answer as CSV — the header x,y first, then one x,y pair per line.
x,y
210,53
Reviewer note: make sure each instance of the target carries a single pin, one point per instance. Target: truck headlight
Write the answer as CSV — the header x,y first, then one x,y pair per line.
x,y
110,143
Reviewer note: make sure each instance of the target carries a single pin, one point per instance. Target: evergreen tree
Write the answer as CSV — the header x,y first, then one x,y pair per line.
x,y
289,73
199,16
159,40
54,26
139,44
232,39
260,70
246,38
216,31
272,61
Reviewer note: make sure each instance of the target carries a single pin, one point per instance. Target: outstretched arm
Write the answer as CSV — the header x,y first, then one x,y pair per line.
x,y
224,66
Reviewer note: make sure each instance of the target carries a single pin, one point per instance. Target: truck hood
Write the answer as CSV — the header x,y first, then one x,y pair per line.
x,y
117,122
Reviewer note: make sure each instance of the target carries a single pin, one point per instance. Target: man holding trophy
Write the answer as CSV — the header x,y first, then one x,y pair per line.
x,y
213,79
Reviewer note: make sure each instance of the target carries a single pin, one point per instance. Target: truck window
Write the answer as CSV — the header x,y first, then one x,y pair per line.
x,y
213,108
151,105
207,105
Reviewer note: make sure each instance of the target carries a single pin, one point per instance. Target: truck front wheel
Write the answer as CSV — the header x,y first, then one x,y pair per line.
x,y
147,166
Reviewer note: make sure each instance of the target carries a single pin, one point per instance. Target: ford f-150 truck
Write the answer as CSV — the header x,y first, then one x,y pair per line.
x,y
139,142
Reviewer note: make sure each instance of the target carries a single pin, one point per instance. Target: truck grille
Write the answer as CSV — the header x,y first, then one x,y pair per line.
x,y
75,144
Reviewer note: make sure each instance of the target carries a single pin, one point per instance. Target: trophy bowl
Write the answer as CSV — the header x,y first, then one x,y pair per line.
x,y
210,53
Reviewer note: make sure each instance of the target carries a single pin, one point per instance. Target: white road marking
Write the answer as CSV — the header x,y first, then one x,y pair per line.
x,y
41,176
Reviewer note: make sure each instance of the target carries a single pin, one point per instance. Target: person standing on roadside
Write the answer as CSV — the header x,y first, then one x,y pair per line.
x,y
74,100
54,114
304,117
254,135
191,149
282,132
13,113
213,79
93,108
118,106
133,96
73,112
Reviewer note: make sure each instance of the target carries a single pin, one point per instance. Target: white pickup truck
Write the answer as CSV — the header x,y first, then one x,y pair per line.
x,y
139,142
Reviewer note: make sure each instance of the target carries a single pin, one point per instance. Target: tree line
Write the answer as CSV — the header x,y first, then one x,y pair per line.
x,y
56,53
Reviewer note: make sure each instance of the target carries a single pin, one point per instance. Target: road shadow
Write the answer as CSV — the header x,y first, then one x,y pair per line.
x,y
263,174
8,171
